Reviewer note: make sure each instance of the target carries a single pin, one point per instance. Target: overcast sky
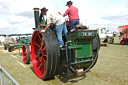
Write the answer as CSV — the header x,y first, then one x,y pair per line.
x,y
16,16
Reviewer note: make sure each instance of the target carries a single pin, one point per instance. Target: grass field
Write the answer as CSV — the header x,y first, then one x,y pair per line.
x,y
110,69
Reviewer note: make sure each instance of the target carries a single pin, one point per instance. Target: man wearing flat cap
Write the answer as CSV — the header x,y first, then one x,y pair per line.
x,y
73,16
52,16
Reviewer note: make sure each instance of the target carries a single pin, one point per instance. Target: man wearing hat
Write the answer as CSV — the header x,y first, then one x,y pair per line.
x,y
73,16
52,16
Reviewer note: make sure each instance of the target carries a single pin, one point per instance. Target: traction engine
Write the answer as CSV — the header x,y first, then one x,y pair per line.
x,y
79,52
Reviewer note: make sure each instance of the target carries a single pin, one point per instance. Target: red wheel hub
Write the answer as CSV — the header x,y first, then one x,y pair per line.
x,y
39,54
123,42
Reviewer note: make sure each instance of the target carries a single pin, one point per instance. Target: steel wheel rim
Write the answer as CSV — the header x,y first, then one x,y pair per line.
x,y
39,54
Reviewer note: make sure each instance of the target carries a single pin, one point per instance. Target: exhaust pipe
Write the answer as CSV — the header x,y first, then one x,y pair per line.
x,y
36,16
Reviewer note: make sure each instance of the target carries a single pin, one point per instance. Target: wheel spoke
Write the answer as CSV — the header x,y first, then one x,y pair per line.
x,y
42,44
40,48
36,56
44,60
44,55
39,37
40,65
44,48
37,44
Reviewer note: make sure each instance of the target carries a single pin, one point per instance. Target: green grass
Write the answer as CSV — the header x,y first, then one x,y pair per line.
x,y
110,69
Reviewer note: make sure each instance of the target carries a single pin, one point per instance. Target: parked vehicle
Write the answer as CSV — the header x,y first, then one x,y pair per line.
x,y
25,40
105,35
123,30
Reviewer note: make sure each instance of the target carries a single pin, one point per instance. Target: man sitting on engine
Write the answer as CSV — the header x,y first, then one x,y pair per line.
x,y
58,20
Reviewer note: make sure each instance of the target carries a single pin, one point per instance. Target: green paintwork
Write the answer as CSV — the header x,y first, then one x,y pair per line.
x,y
83,48
41,22
13,46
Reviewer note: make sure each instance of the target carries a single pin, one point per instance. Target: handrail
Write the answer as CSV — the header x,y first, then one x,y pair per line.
x,y
2,70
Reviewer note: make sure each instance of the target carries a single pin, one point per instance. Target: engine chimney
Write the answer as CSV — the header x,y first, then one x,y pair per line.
x,y
36,15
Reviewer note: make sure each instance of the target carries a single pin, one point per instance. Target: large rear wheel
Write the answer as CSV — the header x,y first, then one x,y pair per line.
x,y
45,54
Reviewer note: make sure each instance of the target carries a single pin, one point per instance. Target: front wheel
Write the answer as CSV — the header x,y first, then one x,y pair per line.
x,y
110,40
10,48
26,54
5,47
